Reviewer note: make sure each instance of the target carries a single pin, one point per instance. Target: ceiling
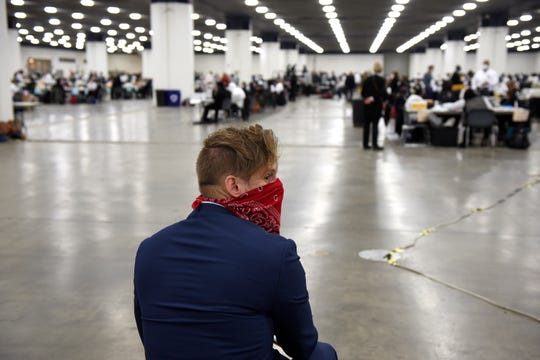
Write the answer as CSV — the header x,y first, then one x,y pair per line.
x,y
360,20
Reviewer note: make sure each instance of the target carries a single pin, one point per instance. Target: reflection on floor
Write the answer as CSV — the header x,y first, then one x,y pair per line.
x,y
95,180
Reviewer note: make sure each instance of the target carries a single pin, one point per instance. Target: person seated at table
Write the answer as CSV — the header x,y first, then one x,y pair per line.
x,y
446,95
510,97
473,101
219,95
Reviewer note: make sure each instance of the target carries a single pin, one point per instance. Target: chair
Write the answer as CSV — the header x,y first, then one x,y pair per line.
x,y
480,119
411,123
226,106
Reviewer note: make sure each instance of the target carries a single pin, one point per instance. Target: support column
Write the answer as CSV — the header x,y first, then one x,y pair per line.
x,y
13,48
146,57
434,56
454,54
6,104
289,49
173,60
417,63
96,54
269,55
238,54
492,41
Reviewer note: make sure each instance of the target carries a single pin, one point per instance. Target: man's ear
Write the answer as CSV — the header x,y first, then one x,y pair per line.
x,y
235,186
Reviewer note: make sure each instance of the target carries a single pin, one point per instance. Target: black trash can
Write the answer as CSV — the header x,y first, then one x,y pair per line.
x,y
358,114
161,97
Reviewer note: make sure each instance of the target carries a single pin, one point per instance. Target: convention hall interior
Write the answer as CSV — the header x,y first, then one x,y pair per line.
x,y
414,204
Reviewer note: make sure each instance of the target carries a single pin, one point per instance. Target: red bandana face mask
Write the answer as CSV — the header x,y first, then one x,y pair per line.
x,y
261,206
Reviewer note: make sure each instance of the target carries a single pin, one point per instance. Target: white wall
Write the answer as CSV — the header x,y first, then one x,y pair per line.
x,y
343,63
397,62
205,63
55,55
117,62
125,62
526,62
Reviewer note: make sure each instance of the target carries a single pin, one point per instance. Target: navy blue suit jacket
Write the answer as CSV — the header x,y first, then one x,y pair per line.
x,y
215,286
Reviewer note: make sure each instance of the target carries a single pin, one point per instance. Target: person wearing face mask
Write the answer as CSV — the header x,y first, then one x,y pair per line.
x,y
221,283
485,80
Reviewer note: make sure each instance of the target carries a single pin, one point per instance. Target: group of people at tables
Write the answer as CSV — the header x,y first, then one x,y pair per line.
x,y
227,94
77,87
456,94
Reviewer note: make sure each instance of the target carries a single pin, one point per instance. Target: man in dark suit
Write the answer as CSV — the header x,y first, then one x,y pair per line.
x,y
221,283
220,94
374,94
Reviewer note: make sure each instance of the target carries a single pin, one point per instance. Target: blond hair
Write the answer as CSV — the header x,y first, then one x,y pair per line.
x,y
235,151
377,67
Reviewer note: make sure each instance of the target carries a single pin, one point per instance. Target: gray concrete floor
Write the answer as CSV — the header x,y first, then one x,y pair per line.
x,y
94,181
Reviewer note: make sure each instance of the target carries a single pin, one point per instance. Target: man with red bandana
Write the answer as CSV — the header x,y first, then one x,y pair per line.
x,y
221,283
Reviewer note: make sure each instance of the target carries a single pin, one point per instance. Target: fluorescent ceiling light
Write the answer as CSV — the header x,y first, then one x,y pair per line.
x,y
525,17
39,29
105,22
195,16
208,36
469,6
448,19
140,29
394,14
525,32
54,22
95,29
20,15
512,22
331,15
251,2
130,36
143,38
124,26
77,16
402,2
23,31
58,32
270,15
325,2
17,2
210,22
112,32
398,7
113,10
135,16
329,8
221,26
76,26
87,2
459,12
261,9
50,10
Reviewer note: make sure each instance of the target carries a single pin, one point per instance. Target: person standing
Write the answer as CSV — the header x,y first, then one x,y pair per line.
x,y
429,90
221,283
350,85
374,95
485,80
